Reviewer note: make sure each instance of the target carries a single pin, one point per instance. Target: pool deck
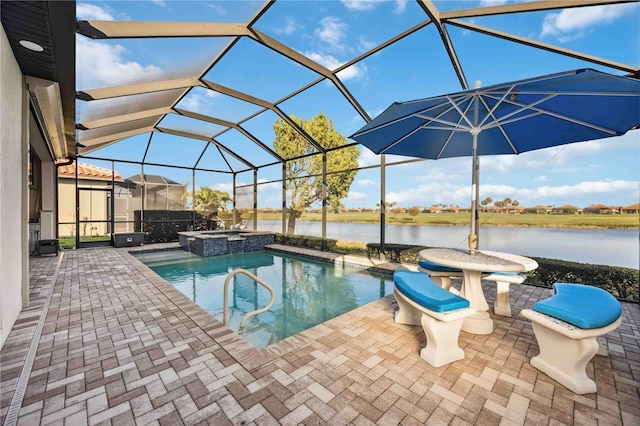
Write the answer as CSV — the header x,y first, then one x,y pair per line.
x,y
115,344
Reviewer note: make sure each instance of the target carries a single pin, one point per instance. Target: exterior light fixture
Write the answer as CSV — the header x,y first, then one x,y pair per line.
x,y
31,45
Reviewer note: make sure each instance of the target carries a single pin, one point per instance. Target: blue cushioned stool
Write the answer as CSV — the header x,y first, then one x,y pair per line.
x,y
439,274
442,275
567,326
440,312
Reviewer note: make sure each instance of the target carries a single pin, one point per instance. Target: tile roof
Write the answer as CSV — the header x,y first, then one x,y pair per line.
x,y
87,171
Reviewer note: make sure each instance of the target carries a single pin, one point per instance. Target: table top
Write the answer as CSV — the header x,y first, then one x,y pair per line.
x,y
484,261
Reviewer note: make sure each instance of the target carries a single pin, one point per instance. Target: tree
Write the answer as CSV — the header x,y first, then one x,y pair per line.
x,y
211,200
414,211
304,175
506,203
486,202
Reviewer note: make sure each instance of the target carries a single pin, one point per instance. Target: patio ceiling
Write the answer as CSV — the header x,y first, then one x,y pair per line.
x,y
50,72
113,114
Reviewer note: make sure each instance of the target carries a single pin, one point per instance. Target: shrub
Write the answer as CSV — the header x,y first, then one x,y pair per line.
x,y
623,283
351,247
414,211
305,241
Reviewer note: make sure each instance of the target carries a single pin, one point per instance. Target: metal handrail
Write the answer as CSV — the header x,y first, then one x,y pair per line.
x,y
225,313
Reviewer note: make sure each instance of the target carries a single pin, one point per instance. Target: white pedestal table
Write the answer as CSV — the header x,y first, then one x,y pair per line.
x,y
473,266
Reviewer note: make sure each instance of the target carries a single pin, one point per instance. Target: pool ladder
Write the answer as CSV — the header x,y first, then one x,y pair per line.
x,y
225,314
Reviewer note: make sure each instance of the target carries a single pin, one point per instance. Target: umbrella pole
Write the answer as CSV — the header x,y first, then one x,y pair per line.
x,y
475,194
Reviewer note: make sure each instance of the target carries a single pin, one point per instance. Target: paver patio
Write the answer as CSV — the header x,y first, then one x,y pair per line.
x,y
121,346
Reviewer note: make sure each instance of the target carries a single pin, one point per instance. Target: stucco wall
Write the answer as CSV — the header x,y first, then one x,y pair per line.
x,y
12,178
47,190
93,206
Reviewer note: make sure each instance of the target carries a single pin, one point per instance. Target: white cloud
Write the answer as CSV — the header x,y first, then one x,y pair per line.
x,y
99,64
360,5
290,27
91,12
367,158
366,45
332,31
430,193
598,187
573,23
542,178
331,62
365,182
217,8
352,72
272,186
159,3
326,60
356,196
487,3
543,159
400,7
460,194
199,101
224,187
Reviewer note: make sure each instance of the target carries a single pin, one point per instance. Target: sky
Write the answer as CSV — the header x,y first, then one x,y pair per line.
x,y
331,33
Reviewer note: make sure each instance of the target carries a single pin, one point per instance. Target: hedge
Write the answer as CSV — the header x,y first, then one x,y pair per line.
x,y
623,283
162,226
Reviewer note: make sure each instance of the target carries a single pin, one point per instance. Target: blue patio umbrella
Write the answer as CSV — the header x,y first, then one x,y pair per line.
x,y
508,118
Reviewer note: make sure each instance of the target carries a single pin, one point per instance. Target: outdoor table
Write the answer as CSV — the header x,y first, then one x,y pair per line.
x,y
473,266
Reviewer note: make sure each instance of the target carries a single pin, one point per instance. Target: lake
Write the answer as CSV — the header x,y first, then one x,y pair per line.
x,y
615,247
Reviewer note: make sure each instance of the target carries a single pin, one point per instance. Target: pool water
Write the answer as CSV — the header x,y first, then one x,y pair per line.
x,y
307,292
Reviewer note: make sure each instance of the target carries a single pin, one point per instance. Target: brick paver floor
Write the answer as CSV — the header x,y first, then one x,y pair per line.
x,y
120,346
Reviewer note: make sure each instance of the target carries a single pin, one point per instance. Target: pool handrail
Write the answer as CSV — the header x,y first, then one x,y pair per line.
x,y
225,313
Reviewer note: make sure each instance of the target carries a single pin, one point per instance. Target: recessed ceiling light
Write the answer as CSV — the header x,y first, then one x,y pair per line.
x,y
31,45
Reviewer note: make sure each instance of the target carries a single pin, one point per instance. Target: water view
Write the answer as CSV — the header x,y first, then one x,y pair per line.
x,y
615,247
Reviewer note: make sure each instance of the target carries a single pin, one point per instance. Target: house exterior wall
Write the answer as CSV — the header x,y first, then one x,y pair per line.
x,y
93,206
13,190
46,190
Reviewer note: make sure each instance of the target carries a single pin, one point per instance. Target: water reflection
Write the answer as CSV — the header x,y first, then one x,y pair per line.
x,y
307,292
616,247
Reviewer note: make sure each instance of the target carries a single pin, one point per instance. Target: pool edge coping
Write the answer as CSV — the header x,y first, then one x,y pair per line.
x,y
240,349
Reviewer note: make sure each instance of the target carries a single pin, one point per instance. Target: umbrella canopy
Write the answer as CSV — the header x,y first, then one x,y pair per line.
x,y
508,118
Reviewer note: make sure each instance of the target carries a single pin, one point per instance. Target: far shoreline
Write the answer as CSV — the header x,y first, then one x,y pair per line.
x,y
581,221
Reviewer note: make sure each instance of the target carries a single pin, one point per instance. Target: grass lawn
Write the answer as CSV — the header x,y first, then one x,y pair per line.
x,y
617,221
69,243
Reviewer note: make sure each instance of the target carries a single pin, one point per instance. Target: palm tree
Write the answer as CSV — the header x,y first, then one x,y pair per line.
x,y
506,203
211,200
485,203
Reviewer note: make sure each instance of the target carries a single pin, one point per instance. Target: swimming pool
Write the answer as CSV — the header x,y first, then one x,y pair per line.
x,y
307,292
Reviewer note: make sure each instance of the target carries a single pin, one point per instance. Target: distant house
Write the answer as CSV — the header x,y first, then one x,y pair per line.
x,y
566,209
94,200
600,209
433,209
634,208
539,209
158,192
452,209
516,209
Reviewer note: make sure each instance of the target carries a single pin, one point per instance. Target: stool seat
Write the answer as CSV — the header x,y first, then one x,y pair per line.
x,y
440,312
419,288
436,267
584,306
567,327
